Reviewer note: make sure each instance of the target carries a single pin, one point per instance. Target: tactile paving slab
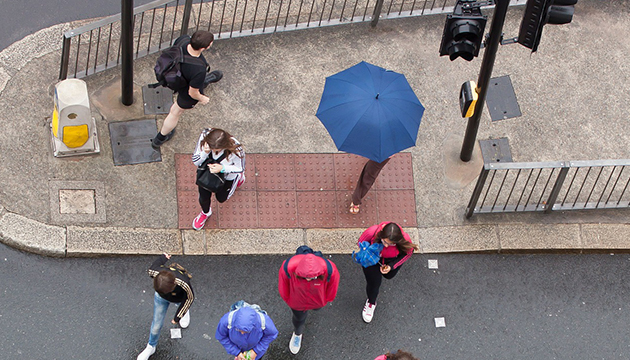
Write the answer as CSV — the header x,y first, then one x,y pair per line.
x,y
314,172
277,209
398,206
347,170
188,208
367,213
396,174
317,209
240,211
275,172
289,191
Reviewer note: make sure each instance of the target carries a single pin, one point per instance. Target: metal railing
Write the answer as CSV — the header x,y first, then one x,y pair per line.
x,y
549,186
95,47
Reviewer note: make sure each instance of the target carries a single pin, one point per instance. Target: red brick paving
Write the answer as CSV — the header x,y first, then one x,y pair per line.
x,y
302,191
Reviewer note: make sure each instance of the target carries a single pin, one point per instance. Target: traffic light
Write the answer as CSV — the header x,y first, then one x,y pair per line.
x,y
541,12
463,31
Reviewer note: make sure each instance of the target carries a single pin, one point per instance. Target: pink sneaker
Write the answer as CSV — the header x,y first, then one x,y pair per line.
x,y
200,220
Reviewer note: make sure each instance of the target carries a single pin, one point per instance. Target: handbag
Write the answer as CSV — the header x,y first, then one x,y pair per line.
x,y
208,180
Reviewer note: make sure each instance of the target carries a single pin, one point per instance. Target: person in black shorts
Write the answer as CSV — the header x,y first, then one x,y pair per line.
x,y
197,78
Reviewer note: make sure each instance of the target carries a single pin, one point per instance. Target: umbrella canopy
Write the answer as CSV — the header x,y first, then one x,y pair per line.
x,y
370,111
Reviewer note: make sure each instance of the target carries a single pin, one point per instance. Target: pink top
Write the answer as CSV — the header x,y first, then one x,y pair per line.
x,y
369,235
382,357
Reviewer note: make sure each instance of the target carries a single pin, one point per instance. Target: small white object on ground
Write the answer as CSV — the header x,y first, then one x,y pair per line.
x,y
176,333
433,264
440,322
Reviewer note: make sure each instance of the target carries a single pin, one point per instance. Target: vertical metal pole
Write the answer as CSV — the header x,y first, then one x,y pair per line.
x,y
186,17
470,209
126,41
65,57
484,78
377,12
556,188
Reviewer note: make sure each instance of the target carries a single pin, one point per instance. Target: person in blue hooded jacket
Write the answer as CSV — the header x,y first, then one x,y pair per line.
x,y
246,333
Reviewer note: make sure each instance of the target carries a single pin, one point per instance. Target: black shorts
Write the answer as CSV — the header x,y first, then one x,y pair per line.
x,y
184,100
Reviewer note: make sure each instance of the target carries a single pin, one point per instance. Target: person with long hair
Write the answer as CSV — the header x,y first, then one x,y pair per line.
x,y
398,355
224,156
397,248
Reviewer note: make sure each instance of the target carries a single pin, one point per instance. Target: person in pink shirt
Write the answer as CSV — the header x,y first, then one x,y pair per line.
x,y
399,355
397,248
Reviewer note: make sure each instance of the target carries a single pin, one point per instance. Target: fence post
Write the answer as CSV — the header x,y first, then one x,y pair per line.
x,y
186,17
556,188
481,181
377,12
65,57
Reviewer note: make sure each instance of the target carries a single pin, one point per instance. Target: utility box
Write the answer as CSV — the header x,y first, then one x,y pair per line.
x,y
73,127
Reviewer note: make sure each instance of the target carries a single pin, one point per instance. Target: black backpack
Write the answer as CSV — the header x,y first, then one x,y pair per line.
x,y
168,66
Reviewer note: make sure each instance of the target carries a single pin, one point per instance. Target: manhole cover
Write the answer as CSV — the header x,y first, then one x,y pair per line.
x,y
131,142
501,99
157,101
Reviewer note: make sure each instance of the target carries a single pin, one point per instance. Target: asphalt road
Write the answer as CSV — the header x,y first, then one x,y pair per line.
x,y
23,17
494,306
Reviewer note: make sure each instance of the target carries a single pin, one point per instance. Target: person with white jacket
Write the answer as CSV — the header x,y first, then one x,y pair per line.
x,y
223,155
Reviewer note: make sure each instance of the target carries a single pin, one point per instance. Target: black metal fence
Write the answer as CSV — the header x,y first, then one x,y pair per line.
x,y
96,47
549,186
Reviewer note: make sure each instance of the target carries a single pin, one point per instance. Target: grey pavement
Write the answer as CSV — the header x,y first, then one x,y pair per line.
x,y
573,94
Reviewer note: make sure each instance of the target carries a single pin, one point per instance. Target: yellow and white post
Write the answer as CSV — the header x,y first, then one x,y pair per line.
x,y
73,127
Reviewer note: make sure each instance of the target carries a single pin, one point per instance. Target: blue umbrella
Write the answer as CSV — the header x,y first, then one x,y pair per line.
x,y
370,111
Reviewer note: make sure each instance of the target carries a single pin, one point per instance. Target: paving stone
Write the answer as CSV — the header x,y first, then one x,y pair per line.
x,y
539,236
458,238
314,172
194,242
30,235
84,241
333,241
606,236
253,241
317,209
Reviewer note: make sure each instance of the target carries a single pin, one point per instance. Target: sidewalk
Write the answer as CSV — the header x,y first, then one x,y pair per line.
x,y
573,94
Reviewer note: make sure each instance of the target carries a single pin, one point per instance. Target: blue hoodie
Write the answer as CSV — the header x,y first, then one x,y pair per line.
x,y
246,319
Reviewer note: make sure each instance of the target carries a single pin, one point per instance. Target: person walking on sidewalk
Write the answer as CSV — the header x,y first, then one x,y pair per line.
x,y
398,355
306,281
397,248
368,176
195,75
246,331
224,156
172,286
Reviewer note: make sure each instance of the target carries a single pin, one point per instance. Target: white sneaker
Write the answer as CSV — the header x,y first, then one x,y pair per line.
x,y
295,343
146,353
368,311
185,321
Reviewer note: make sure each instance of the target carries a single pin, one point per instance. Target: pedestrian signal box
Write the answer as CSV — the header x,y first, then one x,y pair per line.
x,y
73,127
468,98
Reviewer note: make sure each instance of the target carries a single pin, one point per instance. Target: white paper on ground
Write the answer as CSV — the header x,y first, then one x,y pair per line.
x,y
176,333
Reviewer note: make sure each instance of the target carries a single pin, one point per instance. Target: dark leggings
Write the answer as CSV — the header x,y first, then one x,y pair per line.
x,y
373,277
299,319
205,196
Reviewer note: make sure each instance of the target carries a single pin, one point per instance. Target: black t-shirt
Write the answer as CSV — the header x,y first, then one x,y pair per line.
x,y
195,74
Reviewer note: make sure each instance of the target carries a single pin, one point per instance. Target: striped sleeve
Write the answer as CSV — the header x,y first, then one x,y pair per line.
x,y
184,306
199,156
402,259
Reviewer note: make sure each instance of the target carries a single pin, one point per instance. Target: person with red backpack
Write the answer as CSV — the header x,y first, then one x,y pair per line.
x,y
397,248
306,281
183,69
